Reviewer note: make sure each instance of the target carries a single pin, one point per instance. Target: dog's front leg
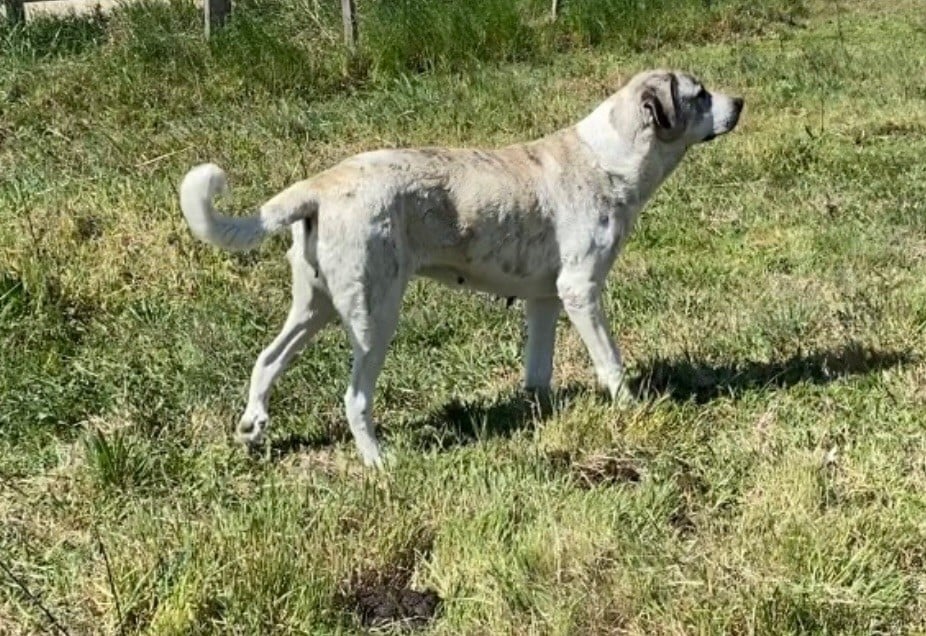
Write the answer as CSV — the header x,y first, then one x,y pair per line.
x,y
541,316
581,298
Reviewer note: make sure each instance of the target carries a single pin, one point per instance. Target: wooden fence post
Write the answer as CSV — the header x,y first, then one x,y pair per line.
x,y
15,11
349,17
215,12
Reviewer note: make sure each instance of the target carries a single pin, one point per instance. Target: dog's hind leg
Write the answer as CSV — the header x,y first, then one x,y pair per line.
x,y
370,331
310,312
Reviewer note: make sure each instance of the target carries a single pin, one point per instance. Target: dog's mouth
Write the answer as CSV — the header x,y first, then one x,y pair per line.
x,y
734,117
729,122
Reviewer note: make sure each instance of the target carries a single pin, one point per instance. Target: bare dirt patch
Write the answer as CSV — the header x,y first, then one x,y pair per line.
x,y
599,469
383,598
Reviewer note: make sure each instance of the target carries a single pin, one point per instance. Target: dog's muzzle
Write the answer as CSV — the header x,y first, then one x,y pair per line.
x,y
729,122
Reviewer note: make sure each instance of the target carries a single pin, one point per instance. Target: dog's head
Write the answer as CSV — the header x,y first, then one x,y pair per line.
x,y
646,126
676,108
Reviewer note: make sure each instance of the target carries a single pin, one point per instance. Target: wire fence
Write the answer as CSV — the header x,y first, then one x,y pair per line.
x,y
215,12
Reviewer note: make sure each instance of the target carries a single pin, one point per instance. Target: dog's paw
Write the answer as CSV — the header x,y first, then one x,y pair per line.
x,y
376,462
623,397
375,457
251,429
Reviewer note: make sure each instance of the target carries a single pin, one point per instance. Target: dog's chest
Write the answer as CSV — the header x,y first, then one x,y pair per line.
x,y
594,221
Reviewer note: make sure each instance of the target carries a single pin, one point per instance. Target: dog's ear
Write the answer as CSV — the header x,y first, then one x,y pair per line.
x,y
660,103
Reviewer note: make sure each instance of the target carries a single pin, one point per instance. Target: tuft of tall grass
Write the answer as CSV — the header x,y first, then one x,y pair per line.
x,y
421,35
649,24
275,47
632,23
53,36
117,461
294,46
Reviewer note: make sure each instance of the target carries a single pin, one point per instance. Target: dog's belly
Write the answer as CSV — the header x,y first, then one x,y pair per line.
x,y
498,283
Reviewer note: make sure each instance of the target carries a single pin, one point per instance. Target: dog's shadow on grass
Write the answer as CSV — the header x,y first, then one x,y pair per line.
x,y
453,424
460,423
685,379
680,380
295,443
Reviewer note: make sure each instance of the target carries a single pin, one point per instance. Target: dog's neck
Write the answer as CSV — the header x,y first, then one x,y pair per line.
x,y
627,153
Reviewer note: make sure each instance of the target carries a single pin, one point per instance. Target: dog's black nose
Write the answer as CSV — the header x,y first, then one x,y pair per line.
x,y
738,103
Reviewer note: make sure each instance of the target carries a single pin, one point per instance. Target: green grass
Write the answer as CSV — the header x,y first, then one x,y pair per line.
x,y
771,304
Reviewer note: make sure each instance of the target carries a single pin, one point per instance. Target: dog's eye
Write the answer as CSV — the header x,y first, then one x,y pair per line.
x,y
702,95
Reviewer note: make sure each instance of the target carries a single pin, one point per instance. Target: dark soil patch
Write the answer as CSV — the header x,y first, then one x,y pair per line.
x,y
623,467
604,469
383,599
382,606
607,470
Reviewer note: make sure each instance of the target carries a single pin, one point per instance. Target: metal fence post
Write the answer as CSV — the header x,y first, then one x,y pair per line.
x,y
349,17
215,12
15,11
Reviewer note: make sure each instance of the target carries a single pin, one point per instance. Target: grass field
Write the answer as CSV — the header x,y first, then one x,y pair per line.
x,y
771,306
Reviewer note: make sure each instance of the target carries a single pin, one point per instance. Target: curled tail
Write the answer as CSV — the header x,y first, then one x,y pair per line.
x,y
206,181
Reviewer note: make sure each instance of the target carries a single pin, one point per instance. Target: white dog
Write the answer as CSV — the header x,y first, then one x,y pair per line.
x,y
542,221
